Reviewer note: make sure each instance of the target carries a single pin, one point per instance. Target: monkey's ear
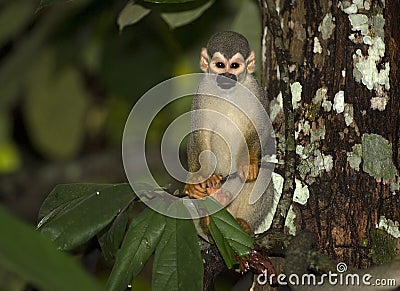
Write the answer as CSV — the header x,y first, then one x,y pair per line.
x,y
204,60
251,62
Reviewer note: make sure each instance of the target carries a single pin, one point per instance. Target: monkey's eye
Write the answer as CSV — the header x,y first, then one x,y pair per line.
x,y
220,65
235,65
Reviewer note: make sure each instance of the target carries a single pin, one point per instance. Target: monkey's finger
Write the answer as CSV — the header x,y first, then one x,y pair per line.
x,y
203,185
198,195
194,193
253,172
211,182
217,181
191,191
214,181
200,188
256,168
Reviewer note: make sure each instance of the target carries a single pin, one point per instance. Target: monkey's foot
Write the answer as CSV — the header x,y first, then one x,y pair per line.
x,y
257,263
199,188
214,183
248,173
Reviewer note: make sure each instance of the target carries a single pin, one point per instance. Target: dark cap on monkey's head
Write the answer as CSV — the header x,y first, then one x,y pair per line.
x,y
228,43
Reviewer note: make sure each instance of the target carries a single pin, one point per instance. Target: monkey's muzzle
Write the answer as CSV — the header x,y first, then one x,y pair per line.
x,y
226,81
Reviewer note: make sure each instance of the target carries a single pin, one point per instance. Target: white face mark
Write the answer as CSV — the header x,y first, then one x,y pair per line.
x,y
235,65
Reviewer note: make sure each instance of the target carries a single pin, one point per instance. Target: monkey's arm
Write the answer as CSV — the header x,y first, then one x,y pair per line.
x,y
194,150
249,159
248,162
198,185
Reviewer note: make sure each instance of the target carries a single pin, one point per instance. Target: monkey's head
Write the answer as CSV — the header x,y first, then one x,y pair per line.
x,y
228,54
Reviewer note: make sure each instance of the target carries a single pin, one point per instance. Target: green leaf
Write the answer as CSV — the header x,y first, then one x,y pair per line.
x,y
76,221
229,237
15,66
176,19
177,262
55,108
34,258
131,14
140,242
111,239
64,193
14,17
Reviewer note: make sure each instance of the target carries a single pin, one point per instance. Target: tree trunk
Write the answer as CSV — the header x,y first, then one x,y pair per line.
x,y
340,60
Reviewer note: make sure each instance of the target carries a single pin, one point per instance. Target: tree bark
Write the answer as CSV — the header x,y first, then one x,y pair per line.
x,y
340,59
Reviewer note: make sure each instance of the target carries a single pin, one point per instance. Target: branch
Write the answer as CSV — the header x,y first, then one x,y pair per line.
x,y
213,264
274,24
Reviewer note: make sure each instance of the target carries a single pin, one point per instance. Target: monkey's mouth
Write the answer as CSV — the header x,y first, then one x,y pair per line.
x,y
226,81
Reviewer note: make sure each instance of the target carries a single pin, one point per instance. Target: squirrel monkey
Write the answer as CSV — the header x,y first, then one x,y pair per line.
x,y
224,141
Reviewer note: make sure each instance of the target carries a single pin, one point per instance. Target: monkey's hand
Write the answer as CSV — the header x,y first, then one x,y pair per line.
x,y
248,173
197,187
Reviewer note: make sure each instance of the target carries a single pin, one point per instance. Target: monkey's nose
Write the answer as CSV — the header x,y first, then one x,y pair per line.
x,y
226,81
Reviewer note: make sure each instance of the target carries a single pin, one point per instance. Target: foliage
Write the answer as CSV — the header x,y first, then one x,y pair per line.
x,y
182,15
229,237
41,106
69,78
27,253
75,213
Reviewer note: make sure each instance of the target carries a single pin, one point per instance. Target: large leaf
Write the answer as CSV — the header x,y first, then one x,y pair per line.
x,y
176,19
76,221
131,14
140,242
227,234
15,66
111,239
55,108
34,258
64,193
177,263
